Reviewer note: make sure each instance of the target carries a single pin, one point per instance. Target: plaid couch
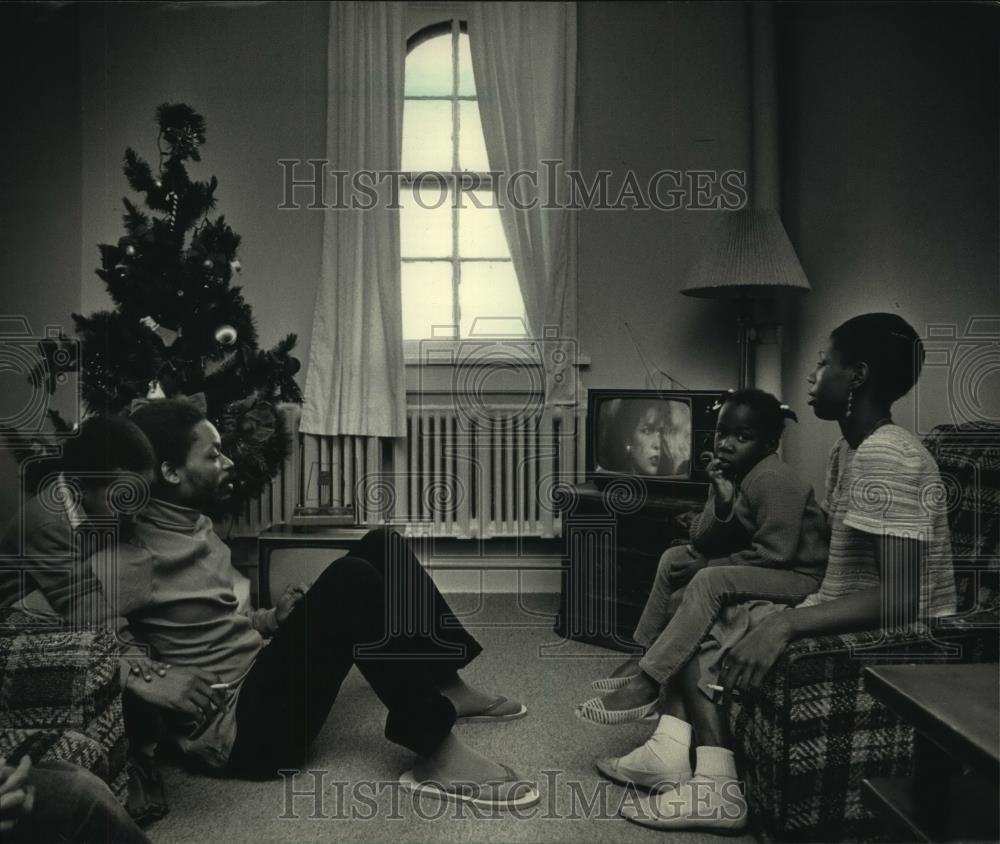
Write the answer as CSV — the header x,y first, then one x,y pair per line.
x,y
812,733
60,698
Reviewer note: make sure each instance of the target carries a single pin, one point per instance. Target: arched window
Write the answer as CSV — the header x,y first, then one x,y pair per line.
x,y
457,273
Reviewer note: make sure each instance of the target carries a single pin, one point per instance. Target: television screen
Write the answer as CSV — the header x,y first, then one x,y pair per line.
x,y
645,435
658,436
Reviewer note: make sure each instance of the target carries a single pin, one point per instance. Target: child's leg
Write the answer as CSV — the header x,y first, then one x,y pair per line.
x,y
659,606
709,590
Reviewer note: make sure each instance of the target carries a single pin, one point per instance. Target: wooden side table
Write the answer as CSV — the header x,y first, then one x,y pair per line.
x,y
955,711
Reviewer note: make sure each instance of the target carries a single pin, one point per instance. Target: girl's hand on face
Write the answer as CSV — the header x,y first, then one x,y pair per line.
x,y
725,489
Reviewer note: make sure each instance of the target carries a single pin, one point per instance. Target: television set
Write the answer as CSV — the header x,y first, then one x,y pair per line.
x,y
657,436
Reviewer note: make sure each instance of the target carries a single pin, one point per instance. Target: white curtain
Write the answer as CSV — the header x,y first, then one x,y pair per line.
x,y
524,61
355,383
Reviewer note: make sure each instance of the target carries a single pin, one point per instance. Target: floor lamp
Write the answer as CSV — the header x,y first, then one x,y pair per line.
x,y
748,257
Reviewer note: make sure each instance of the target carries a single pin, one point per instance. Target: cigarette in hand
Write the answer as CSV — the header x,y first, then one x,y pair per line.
x,y
721,690
219,686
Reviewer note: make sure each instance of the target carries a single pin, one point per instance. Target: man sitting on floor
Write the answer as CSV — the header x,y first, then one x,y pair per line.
x,y
257,708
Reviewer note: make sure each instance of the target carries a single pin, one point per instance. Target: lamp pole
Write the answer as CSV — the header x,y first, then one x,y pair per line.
x,y
746,337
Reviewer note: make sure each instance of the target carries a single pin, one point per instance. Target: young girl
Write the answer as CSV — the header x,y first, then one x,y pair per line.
x,y
890,565
761,534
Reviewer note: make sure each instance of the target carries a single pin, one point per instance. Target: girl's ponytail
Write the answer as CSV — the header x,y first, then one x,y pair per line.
x,y
771,413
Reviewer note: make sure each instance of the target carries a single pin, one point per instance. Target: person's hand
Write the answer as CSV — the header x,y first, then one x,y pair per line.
x,y
747,664
286,603
184,691
725,489
17,796
143,666
681,571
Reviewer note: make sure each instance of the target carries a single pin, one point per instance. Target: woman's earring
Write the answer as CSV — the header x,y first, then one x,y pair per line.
x,y
628,448
850,402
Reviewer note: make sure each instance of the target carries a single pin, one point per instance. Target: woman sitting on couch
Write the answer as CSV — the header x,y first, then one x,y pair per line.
x,y
889,567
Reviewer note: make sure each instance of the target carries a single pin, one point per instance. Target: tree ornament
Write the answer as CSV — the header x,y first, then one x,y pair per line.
x,y
225,335
165,334
155,390
172,214
131,251
207,263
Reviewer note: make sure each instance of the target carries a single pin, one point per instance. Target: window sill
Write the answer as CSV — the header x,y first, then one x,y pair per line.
x,y
413,360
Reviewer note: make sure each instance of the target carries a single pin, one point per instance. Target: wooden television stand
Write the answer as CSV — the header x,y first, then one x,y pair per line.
x,y
614,538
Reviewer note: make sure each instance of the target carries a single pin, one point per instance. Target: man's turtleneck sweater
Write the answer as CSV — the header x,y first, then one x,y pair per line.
x,y
177,591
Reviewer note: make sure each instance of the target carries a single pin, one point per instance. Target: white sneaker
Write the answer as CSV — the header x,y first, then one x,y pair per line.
x,y
661,762
703,802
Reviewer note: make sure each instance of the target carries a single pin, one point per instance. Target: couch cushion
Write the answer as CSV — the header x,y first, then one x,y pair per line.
x,y
968,457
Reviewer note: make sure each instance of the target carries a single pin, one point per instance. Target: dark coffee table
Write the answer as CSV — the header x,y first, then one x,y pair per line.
x,y
955,710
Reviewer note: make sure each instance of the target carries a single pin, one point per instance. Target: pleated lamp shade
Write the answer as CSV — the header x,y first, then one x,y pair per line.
x,y
748,256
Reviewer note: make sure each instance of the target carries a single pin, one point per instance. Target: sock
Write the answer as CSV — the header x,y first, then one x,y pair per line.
x,y
674,728
714,762
670,743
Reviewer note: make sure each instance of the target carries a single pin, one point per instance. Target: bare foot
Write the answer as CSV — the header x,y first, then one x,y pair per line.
x,y
627,668
454,761
641,690
468,700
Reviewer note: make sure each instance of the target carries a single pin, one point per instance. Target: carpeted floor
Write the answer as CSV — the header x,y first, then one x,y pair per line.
x,y
354,767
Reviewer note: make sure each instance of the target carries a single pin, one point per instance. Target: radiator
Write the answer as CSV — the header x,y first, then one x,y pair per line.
x,y
498,472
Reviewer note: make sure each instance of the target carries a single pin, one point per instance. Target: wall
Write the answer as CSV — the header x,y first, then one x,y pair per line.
x,y
890,172
661,85
39,193
257,73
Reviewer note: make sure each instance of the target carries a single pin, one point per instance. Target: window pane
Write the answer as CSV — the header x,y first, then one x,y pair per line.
x,y
427,133
466,82
471,146
429,68
425,231
480,232
427,298
489,292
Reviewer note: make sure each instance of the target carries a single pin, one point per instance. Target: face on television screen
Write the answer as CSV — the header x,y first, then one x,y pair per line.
x,y
645,436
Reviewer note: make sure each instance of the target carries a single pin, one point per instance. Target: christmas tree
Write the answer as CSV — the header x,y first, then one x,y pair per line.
x,y
180,328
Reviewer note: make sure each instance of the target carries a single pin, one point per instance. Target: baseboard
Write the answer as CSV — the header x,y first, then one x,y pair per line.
x,y
488,580
496,566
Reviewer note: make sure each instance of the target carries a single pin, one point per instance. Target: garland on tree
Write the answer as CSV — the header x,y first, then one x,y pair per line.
x,y
179,329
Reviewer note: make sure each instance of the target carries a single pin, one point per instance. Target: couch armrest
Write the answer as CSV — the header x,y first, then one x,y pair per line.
x,y
958,638
56,680
106,759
